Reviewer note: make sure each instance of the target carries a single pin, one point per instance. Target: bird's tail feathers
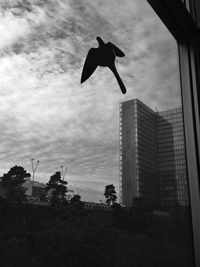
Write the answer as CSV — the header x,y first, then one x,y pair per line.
x,y
121,85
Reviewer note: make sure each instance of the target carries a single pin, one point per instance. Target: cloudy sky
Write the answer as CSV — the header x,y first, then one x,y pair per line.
x,y
45,112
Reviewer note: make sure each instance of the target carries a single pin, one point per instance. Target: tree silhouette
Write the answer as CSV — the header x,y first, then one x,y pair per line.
x,y
76,202
57,188
110,194
12,182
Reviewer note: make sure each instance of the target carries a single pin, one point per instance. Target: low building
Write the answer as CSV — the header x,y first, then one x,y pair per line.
x,y
35,190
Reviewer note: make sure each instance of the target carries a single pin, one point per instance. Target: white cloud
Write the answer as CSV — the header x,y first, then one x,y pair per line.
x,y
12,29
48,115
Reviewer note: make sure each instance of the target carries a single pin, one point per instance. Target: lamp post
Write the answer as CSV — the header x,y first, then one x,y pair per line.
x,y
63,172
34,166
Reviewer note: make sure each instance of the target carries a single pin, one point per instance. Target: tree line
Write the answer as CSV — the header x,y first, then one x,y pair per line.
x,y
13,190
65,234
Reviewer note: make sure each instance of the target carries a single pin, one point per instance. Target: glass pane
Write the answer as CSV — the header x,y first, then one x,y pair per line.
x,y
94,135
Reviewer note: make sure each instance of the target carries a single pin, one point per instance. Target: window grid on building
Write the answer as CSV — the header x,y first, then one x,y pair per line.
x,y
152,155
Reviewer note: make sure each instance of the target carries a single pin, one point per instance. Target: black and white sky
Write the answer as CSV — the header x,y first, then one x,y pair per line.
x,y
45,112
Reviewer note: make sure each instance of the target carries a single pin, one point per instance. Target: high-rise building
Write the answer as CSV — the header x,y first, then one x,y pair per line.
x,y
152,155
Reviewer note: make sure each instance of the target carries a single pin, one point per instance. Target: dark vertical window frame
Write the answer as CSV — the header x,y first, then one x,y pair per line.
x,y
191,144
184,26
195,5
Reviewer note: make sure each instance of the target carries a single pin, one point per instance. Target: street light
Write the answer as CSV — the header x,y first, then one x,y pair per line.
x,y
63,172
34,166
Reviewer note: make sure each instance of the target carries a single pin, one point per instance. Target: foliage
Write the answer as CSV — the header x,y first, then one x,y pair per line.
x,y
76,202
57,188
40,236
12,182
145,205
116,206
110,194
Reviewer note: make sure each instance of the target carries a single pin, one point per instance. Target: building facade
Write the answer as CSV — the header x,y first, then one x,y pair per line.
x,y
35,190
152,155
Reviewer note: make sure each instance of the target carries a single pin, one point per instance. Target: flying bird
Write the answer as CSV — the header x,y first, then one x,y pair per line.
x,y
103,56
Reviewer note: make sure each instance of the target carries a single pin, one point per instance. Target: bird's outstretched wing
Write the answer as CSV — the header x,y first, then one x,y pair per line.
x,y
90,64
117,51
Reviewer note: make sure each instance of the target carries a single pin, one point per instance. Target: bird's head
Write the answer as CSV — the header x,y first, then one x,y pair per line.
x,y
100,41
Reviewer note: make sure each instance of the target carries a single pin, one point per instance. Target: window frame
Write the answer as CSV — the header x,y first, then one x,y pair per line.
x,y
182,18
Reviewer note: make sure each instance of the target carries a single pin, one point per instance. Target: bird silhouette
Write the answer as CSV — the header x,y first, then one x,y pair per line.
x,y
103,56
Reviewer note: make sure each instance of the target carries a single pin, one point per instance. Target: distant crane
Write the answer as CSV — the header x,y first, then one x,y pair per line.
x,y
34,166
63,172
